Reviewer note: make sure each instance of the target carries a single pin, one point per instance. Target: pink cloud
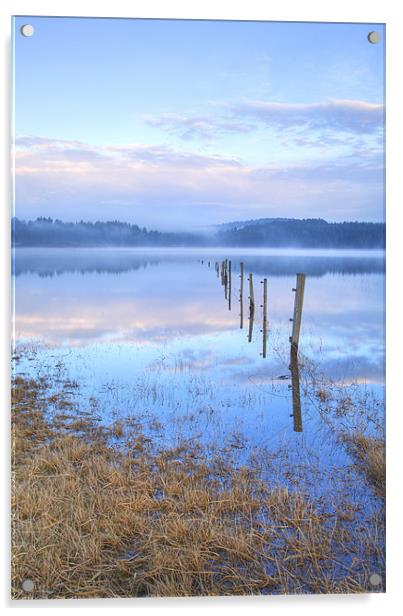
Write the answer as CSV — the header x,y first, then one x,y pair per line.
x,y
165,188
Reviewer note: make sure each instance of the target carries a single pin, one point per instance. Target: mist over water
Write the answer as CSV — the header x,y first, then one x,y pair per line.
x,y
273,262
74,298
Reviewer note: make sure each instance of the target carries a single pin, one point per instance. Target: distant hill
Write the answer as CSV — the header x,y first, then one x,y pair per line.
x,y
306,233
264,232
49,232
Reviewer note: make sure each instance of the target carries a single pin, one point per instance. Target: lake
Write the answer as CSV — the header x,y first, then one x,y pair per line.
x,y
148,333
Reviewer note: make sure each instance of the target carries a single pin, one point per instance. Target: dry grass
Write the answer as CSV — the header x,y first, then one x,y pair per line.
x,y
371,456
99,513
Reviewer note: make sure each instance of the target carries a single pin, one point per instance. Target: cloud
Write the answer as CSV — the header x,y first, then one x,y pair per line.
x,y
338,115
168,156
161,187
331,116
201,126
29,141
51,153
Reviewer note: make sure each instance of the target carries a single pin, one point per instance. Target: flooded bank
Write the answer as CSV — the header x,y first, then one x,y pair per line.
x,y
170,345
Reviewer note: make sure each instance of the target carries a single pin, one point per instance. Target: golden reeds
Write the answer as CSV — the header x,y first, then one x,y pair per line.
x,y
99,512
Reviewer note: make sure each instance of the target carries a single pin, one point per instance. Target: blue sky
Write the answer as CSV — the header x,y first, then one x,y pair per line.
x,y
179,124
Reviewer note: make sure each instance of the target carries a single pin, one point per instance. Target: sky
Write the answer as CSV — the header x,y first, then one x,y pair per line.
x,y
179,125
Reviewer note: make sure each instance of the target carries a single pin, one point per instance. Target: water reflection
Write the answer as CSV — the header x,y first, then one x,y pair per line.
x,y
295,387
172,302
52,262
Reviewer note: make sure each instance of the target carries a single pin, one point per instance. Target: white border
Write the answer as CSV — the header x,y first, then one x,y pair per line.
x,y
381,11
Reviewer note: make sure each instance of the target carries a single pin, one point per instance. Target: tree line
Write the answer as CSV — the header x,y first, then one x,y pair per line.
x,y
49,232
307,233
298,233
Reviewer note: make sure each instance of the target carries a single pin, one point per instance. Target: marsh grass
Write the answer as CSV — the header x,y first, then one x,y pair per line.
x,y
369,451
100,512
356,417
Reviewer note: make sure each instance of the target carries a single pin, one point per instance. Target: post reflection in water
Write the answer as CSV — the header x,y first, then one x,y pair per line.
x,y
296,394
251,319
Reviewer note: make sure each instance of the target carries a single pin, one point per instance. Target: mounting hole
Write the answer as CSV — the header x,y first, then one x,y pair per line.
x,y
375,579
27,30
374,37
28,585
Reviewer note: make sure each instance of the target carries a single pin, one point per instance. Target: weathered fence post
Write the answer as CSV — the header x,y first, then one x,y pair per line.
x,y
229,284
251,293
298,303
251,307
264,306
241,296
226,278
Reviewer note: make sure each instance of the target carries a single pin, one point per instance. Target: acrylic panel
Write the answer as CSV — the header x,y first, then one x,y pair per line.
x,y
198,274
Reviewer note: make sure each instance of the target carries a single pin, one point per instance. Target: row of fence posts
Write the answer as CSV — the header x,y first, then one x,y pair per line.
x,y
226,281
224,270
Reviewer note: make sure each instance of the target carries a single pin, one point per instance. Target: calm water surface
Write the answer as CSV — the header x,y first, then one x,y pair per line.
x,y
150,333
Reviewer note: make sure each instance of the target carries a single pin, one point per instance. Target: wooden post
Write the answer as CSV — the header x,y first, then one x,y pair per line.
x,y
229,284
251,294
251,307
264,330
226,278
241,296
217,269
222,272
298,303
296,395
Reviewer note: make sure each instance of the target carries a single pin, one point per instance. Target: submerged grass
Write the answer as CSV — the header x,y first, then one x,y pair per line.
x,y
100,512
